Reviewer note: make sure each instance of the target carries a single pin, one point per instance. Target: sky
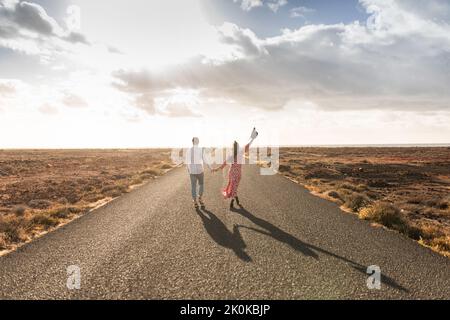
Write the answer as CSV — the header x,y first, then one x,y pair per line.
x,y
115,73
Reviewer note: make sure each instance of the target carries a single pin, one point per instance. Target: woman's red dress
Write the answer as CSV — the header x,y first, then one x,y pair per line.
x,y
234,177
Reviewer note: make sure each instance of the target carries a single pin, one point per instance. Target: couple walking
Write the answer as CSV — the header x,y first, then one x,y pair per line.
x,y
195,165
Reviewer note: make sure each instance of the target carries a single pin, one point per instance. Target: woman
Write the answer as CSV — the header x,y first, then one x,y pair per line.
x,y
234,175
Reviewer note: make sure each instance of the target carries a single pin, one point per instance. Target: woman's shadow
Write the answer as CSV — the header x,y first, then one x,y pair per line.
x,y
218,231
307,249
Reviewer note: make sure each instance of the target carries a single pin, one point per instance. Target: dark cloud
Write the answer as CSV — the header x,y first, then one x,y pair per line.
x,y
20,18
76,37
32,17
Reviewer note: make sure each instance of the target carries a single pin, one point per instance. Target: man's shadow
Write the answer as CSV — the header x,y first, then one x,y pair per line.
x,y
218,231
276,233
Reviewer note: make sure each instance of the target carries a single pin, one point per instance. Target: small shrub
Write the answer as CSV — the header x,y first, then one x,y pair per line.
x,y
19,210
114,190
334,194
284,168
115,193
414,233
93,197
153,172
138,180
62,200
39,204
73,198
361,187
347,186
60,213
75,209
120,176
3,241
356,201
385,214
44,220
12,228
442,243
430,232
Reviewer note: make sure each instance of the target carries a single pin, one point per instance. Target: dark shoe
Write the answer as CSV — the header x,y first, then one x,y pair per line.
x,y
237,201
195,204
232,204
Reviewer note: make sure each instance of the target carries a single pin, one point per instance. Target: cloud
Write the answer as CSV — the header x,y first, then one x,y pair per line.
x,y
7,87
248,5
300,12
26,27
399,59
76,37
48,109
276,4
152,104
244,41
74,101
178,110
146,103
33,17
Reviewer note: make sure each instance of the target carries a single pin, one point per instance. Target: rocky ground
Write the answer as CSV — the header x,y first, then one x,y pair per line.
x,y
407,189
41,189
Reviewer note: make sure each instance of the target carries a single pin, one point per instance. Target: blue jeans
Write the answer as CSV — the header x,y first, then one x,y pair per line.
x,y
196,178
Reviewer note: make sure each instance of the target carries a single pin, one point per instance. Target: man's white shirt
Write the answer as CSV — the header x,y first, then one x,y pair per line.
x,y
195,159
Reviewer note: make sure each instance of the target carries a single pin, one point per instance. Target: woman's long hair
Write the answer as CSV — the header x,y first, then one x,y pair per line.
x,y
235,150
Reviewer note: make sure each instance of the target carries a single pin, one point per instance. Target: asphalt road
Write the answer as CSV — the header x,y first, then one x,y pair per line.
x,y
285,244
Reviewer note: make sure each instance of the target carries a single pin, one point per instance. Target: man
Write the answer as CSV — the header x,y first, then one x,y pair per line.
x,y
195,158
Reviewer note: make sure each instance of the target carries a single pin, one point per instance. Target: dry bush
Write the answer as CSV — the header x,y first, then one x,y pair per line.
x,y
429,232
44,220
356,201
334,194
430,201
39,204
166,166
348,186
93,197
19,210
114,190
361,187
3,241
153,172
284,168
385,214
60,213
441,244
137,180
13,228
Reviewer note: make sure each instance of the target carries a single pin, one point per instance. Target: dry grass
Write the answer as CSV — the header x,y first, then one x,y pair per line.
x,y
41,189
406,189
356,201
385,214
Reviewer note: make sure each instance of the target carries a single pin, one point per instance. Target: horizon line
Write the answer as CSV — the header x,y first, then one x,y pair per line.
x,y
370,145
